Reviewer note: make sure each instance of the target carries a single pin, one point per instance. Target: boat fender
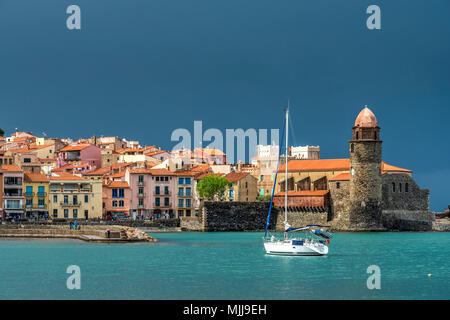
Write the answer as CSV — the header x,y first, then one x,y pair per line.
x,y
328,241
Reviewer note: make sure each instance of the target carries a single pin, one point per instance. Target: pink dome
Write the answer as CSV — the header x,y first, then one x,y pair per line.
x,y
366,119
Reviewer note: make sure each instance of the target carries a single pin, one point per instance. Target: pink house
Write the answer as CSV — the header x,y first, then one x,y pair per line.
x,y
116,198
80,152
152,192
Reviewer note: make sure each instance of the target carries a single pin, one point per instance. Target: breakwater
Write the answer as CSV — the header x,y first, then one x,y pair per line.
x,y
86,232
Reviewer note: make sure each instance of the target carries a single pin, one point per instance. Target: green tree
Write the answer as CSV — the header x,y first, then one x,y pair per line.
x,y
2,133
265,198
212,186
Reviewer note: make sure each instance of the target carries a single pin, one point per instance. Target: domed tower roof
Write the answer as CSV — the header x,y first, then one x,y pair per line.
x,y
366,119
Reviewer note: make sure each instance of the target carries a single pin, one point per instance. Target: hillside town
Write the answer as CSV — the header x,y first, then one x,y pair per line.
x,y
113,178
106,178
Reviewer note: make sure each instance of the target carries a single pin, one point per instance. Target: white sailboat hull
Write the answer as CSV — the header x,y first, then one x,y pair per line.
x,y
288,248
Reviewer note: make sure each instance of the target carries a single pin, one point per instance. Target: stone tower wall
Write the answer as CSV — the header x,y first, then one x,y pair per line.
x,y
365,184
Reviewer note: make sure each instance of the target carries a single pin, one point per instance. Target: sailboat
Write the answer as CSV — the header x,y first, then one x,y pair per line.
x,y
315,239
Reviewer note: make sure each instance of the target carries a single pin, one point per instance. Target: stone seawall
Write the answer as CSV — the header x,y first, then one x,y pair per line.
x,y
252,216
407,220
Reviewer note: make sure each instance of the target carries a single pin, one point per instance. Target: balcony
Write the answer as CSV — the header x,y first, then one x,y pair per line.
x,y
42,194
161,194
13,195
29,194
141,195
141,183
140,206
39,206
163,205
70,204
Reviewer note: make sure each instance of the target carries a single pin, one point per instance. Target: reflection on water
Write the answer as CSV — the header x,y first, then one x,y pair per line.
x,y
228,266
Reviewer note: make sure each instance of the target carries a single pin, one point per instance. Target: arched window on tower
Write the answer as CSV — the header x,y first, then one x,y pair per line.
x,y
375,135
393,186
352,147
399,187
406,187
357,135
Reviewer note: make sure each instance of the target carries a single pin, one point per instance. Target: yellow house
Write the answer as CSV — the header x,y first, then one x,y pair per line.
x,y
74,197
244,187
36,195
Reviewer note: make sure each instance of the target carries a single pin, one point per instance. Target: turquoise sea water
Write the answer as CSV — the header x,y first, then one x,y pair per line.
x,y
227,266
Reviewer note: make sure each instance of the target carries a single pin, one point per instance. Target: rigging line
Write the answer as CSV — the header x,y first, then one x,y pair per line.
x,y
275,180
291,124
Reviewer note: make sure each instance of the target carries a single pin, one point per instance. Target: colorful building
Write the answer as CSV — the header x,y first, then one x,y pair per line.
x,y
244,187
185,194
81,153
36,187
12,190
116,199
74,197
152,192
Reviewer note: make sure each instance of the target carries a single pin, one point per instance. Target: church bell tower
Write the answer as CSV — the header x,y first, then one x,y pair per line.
x,y
365,173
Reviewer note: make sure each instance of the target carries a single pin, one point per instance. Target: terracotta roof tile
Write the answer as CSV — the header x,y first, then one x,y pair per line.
x,y
236,176
304,193
341,177
34,177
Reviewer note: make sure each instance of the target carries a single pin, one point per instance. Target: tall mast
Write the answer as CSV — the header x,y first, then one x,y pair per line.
x,y
286,172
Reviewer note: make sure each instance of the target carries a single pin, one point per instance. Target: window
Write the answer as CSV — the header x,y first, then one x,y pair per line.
x,y
188,213
188,203
181,192
141,202
29,203
114,203
393,186
86,198
114,193
141,191
66,213
406,187
338,185
180,203
166,190
357,135
121,203
157,190
180,213
157,178
246,183
187,181
55,213
86,214
121,193
399,187
180,180
41,191
141,180
75,213
188,191
41,203
66,199
29,191
352,148
26,160
166,202
157,202
75,199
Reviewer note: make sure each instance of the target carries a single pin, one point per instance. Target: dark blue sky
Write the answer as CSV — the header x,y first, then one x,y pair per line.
x,y
140,69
